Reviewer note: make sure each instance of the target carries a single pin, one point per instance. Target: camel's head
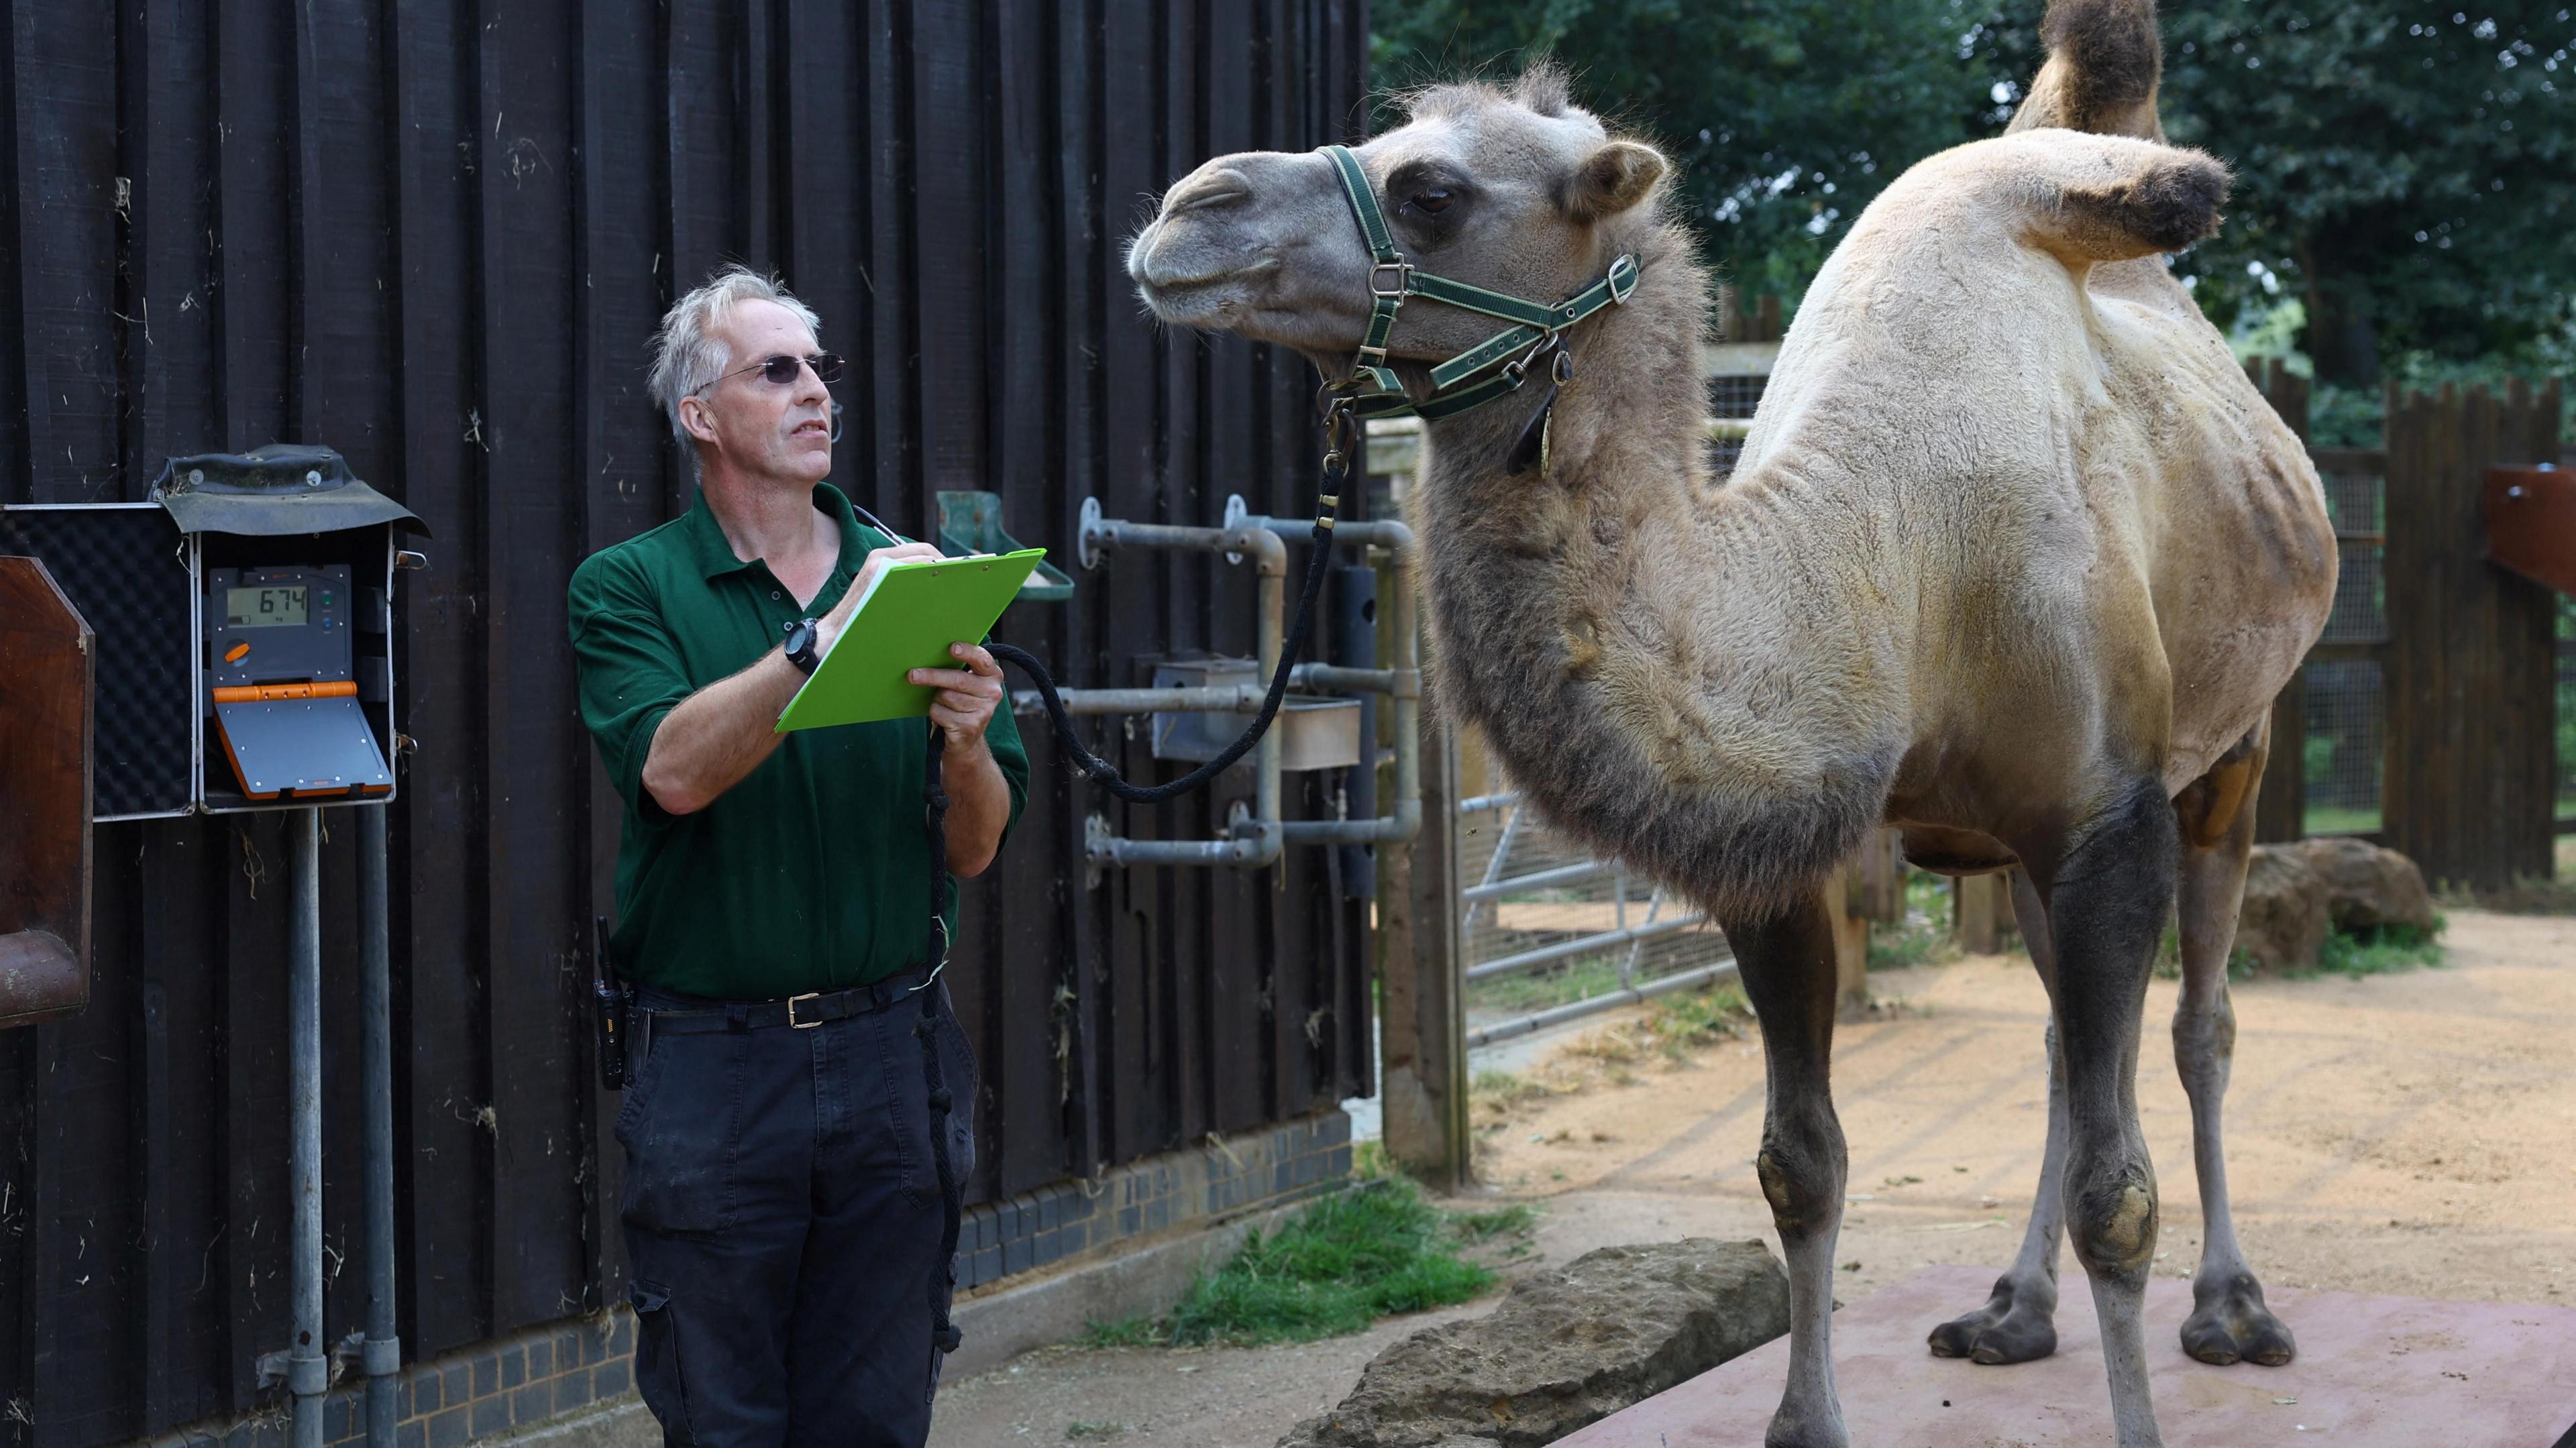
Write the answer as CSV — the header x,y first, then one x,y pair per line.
x,y
1511,190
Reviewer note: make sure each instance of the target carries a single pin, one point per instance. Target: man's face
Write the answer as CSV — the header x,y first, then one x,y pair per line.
x,y
770,430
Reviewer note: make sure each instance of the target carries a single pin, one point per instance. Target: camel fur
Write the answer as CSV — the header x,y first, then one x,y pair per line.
x,y
2015,559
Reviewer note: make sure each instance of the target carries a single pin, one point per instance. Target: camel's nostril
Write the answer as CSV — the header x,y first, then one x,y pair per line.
x,y
1204,193
1208,200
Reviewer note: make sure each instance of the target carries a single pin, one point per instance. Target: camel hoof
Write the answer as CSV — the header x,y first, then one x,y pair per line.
x,y
1785,1433
2229,1324
2013,1327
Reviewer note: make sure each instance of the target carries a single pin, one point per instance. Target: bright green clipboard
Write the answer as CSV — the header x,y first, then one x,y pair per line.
x,y
907,621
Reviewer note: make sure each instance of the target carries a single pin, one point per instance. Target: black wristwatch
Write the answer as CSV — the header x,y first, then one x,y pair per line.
x,y
801,636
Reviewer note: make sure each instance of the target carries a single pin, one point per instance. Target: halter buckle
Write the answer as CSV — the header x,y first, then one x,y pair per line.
x,y
1403,280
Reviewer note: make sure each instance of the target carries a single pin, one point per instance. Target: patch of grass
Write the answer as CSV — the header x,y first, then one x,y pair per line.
x,y
1510,1220
1122,1332
2328,819
1686,1020
1924,937
1494,1092
1337,1267
1561,983
1369,1161
2529,895
2380,950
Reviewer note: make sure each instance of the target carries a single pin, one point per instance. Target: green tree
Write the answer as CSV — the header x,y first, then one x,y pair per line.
x,y
1786,116
2408,170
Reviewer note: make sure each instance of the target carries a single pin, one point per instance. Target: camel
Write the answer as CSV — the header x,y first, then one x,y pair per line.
x,y
2014,560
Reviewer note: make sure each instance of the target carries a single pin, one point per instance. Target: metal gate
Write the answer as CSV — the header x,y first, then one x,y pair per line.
x,y
1548,934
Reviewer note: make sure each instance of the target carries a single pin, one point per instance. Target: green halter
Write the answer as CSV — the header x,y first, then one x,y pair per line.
x,y
1376,392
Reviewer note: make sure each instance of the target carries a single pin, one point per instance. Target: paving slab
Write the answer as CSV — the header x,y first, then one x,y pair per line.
x,y
2372,1372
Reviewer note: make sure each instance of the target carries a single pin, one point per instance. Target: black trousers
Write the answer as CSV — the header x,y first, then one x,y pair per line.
x,y
783,1216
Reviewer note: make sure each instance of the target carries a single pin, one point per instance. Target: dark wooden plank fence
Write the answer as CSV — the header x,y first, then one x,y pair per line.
x,y
436,235
2472,767
2444,665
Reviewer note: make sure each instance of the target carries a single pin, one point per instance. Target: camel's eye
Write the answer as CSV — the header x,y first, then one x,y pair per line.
x,y
1431,201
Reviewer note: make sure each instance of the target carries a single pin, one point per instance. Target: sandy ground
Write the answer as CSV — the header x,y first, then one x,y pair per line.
x,y
2411,1134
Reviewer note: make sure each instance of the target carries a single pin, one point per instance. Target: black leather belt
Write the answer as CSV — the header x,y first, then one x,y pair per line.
x,y
801,1013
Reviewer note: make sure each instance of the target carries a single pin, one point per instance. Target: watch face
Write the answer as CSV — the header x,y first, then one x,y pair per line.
x,y
800,645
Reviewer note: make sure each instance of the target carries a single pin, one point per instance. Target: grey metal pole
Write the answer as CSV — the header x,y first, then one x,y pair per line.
x,y
383,1345
308,1368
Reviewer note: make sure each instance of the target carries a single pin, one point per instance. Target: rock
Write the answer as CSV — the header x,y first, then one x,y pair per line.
x,y
1565,1349
2284,919
2368,887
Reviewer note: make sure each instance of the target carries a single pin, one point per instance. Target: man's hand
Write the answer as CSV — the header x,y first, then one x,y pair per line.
x,y
828,628
963,707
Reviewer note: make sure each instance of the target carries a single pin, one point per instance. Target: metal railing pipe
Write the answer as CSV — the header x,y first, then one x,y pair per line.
x,y
1255,843
1594,1005
1251,847
1403,683
1559,951
1561,875
1267,793
381,1355
1335,679
308,1367
1206,699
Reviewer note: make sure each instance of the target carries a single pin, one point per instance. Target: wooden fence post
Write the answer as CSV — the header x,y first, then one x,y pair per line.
x,y
1978,911
1422,1028
2470,767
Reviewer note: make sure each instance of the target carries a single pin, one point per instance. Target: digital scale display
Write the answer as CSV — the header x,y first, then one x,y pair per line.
x,y
264,607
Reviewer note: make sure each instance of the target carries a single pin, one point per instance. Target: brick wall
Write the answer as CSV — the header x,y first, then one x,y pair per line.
x,y
489,1389
1057,1224
521,1382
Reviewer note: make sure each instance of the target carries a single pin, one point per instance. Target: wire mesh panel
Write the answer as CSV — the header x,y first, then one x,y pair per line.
x,y
1548,933
2354,501
2342,746
1736,394
2346,715
1732,395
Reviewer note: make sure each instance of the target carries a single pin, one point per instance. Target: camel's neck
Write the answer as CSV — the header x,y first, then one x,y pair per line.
x,y
1524,568
1655,661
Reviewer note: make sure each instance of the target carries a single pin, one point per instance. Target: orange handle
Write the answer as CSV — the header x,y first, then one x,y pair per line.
x,y
265,693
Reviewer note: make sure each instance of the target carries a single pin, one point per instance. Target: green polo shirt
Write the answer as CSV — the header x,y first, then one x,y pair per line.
x,y
813,873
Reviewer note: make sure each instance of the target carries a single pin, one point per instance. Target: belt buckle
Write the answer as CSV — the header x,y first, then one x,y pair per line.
x,y
794,1024
1403,280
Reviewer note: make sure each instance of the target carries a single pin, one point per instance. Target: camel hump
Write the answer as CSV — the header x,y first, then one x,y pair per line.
x,y
2135,199
2104,61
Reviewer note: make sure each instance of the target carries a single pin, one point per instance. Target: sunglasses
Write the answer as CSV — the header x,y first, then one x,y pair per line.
x,y
780,371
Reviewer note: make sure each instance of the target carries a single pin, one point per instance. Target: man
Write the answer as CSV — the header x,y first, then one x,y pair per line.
x,y
782,1205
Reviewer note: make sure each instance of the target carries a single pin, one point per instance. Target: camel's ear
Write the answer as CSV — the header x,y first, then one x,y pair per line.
x,y
1617,176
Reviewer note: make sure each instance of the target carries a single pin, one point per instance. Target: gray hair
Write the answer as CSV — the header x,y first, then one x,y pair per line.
x,y
686,353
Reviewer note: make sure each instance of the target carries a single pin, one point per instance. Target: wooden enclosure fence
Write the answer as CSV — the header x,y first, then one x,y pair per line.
x,y
437,235
2426,717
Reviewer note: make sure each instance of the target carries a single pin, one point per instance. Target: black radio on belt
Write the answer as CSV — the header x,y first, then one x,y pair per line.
x,y
609,1000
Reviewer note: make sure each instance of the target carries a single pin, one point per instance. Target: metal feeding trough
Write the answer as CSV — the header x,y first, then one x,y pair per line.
x,y
971,522
1314,732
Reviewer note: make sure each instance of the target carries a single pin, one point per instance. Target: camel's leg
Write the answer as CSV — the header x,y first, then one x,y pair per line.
x,y
2018,1324
1787,968
2108,899
2228,1320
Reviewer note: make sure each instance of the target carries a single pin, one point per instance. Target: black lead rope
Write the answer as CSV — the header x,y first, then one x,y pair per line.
x,y
1340,429
1101,772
